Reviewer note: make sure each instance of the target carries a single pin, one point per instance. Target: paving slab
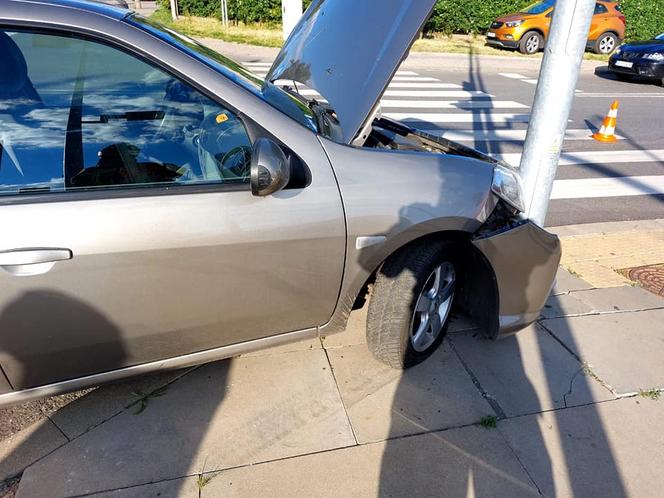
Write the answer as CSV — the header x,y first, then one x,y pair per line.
x,y
566,282
15,418
565,305
612,449
462,462
384,403
623,349
528,372
224,414
624,298
186,487
28,446
104,402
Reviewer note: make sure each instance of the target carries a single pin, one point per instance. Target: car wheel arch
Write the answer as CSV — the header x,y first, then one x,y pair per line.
x,y
533,30
478,296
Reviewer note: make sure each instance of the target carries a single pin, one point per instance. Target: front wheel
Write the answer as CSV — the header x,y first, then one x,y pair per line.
x,y
531,43
411,302
605,44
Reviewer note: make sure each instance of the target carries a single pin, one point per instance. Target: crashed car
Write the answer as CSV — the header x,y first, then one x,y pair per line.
x,y
164,207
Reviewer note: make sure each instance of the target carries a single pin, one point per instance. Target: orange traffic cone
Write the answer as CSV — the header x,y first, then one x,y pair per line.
x,y
607,132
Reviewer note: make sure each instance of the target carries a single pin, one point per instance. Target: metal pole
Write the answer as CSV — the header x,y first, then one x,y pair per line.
x,y
558,77
224,14
291,11
174,9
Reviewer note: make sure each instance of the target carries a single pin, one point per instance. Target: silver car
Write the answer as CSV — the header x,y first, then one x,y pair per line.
x,y
164,207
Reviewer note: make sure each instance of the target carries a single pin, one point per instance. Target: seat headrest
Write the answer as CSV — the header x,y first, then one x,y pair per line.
x,y
14,80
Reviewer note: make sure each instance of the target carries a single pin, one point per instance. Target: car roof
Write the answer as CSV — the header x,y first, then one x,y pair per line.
x,y
27,7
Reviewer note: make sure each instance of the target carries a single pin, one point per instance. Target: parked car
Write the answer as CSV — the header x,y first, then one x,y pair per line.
x,y
642,60
164,207
528,30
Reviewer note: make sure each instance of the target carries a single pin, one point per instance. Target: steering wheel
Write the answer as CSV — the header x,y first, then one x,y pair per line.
x,y
237,161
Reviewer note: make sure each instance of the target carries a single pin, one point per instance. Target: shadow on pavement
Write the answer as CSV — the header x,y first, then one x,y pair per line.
x,y
518,377
143,435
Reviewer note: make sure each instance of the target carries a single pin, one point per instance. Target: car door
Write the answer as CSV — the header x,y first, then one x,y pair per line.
x,y
129,230
598,23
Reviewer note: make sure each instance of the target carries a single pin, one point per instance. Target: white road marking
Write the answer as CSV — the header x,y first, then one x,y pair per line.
x,y
452,104
399,84
623,95
453,94
532,82
513,76
597,157
607,187
505,135
414,78
466,117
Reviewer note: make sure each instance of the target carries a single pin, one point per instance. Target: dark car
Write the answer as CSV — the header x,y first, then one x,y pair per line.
x,y
644,59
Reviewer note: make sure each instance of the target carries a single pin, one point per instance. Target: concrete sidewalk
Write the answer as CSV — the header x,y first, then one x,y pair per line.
x,y
567,407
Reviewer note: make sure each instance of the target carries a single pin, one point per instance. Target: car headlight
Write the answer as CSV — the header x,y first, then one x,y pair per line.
x,y
514,24
618,51
507,185
655,56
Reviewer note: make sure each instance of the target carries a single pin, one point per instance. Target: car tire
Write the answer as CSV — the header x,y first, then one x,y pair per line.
x,y
411,303
606,44
531,43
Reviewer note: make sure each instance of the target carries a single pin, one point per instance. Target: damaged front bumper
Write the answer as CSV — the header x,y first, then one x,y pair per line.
x,y
525,259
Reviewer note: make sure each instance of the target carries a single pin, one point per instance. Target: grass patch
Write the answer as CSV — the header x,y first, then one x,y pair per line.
x,y
489,422
202,480
209,27
653,394
142,400
271,36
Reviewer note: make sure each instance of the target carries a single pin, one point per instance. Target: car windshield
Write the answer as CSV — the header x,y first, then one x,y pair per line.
x,y
539,7
273,95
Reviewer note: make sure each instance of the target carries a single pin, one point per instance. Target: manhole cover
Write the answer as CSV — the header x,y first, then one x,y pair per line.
x,y
649,277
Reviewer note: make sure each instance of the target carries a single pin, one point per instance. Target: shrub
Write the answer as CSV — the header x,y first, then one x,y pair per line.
x,y
463,16
645,18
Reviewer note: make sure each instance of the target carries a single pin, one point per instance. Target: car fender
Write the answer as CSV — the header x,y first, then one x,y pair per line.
x,y
392,198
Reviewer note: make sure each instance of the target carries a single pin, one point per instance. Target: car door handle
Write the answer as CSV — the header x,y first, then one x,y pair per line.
x,y
32,261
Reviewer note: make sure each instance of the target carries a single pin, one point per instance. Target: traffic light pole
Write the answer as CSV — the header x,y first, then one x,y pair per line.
x,y
558,77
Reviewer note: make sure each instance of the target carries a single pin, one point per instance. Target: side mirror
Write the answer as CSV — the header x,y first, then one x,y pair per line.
x,y
270,169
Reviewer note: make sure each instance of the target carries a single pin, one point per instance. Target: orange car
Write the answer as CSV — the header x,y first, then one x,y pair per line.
x,y
527,30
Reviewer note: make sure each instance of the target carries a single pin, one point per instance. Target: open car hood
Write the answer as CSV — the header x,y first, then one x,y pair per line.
x,y
348,51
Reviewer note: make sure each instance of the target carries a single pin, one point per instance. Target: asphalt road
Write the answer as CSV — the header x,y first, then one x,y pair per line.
x,y
596,182
486,104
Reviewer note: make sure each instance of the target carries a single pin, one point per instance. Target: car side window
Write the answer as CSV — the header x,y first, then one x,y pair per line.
x,y
76,114
600,9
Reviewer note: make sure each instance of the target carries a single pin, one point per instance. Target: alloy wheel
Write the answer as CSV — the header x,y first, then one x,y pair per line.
x,y
532,44
433,307
607,44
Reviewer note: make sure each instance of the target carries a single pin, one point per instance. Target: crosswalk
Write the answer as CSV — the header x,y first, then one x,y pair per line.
x,y
463,113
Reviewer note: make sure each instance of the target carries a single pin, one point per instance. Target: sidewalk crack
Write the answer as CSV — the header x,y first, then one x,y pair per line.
x,y
493,402
336,384
59,429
